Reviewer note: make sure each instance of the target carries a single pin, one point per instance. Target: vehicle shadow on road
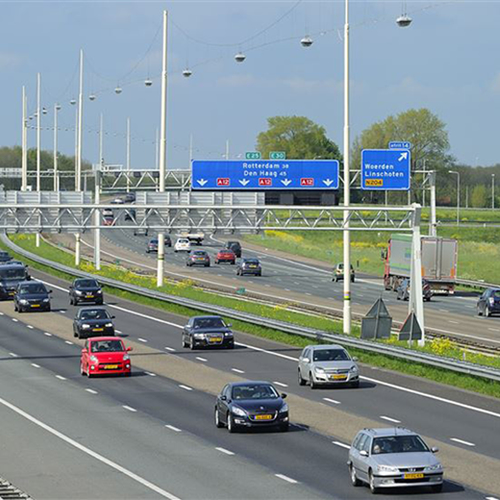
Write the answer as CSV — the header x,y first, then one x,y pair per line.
x,y
448,487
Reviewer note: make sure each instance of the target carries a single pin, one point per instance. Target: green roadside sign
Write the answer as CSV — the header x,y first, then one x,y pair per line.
x,y
253,155
277,155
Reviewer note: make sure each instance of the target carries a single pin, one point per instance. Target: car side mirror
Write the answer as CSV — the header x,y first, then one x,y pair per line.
x,y
50,291
283,395
113,317
305,360
229,325
130,349
363,453
223,398
71,287
28,277
434,449
355,358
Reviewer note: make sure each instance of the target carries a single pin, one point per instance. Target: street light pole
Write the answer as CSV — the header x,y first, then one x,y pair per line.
x,y
128,155
56,109
458,193
24,154
38,140
78,178
493,191
347,181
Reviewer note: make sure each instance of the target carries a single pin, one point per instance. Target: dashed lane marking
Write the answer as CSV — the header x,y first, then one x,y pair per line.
x,y
13,354
281,384
223,450
91,391
35,365
185,387
461,441
48,334
286,478
60,377
389,419
334,401
342,445
129,408
203,360
68,342
30,327
172,428
237,370
171,349
142,340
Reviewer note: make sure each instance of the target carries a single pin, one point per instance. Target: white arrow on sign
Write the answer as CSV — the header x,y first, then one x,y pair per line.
x,y
244,182
403,156
286,182
328,182
201,182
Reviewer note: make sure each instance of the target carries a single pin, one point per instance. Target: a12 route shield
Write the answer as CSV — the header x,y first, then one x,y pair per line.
x,y
385,169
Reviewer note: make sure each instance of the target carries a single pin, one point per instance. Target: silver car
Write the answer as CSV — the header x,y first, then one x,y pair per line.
x,y
393,458
327,365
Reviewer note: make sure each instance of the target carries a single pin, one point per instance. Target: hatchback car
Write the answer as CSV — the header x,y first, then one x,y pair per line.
x,y
251,404
85,290
198,258
207,331
93,322
403,290
5,256
182,245
393,458
489,302
105,355
249,266
328,364
225,255
338,273
235,246
31,296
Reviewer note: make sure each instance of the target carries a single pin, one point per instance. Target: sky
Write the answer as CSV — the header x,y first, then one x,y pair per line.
x,y
447,61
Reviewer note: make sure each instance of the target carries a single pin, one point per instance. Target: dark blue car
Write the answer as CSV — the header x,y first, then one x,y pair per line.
x,y
489,302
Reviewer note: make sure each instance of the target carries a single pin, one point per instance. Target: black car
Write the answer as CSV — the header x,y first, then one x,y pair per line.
x,y
249,266
129,198
198,258
11,274
207,331
31,296
152,246
93,322
403,290
489,302
235,247
5,256
85,290
251,404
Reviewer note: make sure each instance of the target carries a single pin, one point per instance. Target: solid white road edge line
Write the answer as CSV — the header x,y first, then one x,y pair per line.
x,y
461,441
342,445
223,450
286,478
88,451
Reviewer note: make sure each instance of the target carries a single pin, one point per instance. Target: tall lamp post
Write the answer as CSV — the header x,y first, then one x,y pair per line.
x,y
57,108
454,172
493,191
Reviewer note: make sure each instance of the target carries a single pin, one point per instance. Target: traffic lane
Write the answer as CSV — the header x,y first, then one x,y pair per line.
x,y
411,409
122,430
301,455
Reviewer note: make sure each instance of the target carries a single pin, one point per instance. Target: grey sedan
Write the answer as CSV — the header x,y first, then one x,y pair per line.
x,y
393,458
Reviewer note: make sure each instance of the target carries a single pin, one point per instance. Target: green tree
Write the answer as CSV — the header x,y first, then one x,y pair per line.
x,y
299,137
479,197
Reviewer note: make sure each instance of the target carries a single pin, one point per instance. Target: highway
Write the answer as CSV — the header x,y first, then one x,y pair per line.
x,y
153,435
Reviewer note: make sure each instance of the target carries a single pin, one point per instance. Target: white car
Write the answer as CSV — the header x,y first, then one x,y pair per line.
x,y
182,245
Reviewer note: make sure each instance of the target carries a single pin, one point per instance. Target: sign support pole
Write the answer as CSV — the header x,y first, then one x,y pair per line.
x,y
433,224
97,219
416,302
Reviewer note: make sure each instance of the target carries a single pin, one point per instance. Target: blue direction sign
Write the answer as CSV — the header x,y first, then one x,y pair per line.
x,y
400,145
385,169
259,175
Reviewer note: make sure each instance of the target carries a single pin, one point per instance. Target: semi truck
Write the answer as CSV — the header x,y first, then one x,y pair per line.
x,y
439,262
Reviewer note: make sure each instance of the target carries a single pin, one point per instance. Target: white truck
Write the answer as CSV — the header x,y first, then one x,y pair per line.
x,y
194,238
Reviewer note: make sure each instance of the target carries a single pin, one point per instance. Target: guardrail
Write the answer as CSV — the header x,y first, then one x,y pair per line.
x,y
366,345
476,284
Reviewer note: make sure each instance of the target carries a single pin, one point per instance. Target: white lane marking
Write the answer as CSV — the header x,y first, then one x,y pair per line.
x,y
15,320
62,311
335,402
91,391
444,310
142,340
48,334
68,342
129,408
287,290
146,316
118,331
151,374
492,498
342,445
389,419
494,329
281,384
286,478
60,377
237,370
1,314
35,365
172,428
13,354
89,452
454,322
30,327
307,293
223,450
187,388
171,349
201,359
461,441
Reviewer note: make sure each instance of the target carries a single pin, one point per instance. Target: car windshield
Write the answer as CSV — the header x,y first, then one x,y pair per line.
x,y
32,288
497,294
398,444
107,346
254,391
90,314
15,273
209,323
87,284
330,355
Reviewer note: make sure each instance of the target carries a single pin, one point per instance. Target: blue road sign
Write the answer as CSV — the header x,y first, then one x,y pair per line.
x,y
400,145
259,175
385,169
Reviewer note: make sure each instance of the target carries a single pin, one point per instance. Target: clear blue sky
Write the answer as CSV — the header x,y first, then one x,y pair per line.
x,y
446,61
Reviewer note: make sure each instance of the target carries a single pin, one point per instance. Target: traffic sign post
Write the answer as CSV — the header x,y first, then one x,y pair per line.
x,y
265,174
385,169
277,155
253,155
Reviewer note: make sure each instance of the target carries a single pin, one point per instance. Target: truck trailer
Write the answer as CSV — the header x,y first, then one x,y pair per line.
x,y
439,262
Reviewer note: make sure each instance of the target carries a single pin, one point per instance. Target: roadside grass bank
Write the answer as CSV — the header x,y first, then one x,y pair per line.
x,y
443,347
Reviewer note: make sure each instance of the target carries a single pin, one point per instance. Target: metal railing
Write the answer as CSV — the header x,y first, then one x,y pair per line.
x,y
303,331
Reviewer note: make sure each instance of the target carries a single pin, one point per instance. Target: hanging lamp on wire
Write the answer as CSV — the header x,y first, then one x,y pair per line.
x,y
118,89
187,73
240,57
404,20
307,41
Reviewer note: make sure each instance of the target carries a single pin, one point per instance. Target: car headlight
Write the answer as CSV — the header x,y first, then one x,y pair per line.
x,y
126,357
353,368
228,334
284,408
387,468
23,301
199,335
78,292
99,291
434,467
318,369
93,359
108,325
238,411
46,300
85,326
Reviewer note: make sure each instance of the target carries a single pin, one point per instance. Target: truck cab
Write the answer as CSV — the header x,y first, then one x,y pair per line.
x,y
11,274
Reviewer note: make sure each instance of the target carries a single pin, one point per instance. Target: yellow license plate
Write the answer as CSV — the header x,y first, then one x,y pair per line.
x,y
413,476
98,329
111,367
215,340
89,296
338,377
12,293
35,305
263,417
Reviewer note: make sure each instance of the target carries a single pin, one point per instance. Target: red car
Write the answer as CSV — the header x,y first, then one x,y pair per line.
x,y
225,255
102,355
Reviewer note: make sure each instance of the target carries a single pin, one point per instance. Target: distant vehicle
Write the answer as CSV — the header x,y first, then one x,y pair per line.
x,y
182,245
108,217
225,255
194,238
129,198
130,214
31,296
107,211
198,258
251,404
338,273
403,291
249,266
328,364
11,274
93,322
117,201
152,246
207,331
235,246
5,256
489,302
439,262
393,458
105,355
85,290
